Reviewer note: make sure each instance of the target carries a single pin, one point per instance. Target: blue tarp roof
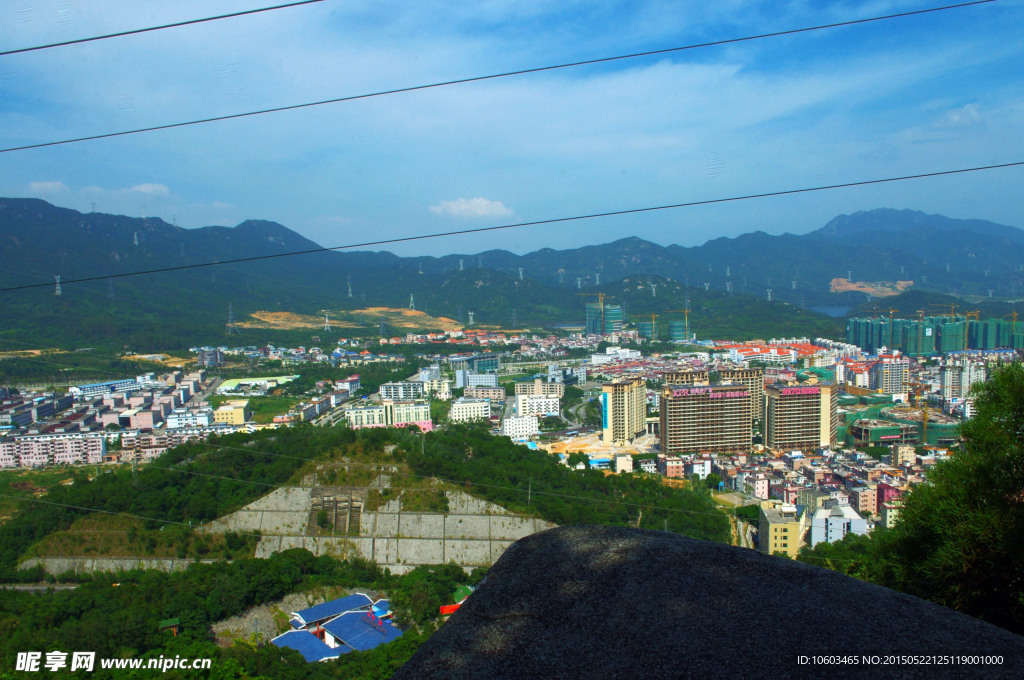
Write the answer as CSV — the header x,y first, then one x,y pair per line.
x,y
357,631
381,607
308,645
334,607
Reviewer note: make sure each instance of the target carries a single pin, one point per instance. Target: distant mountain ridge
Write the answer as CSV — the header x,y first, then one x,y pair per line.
x,y
729,279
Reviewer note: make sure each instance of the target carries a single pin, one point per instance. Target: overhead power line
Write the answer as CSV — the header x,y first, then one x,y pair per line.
x,y
136,31
495,76
555,220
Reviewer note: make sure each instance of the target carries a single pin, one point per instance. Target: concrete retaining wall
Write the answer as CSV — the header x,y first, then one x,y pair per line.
x,y
474,533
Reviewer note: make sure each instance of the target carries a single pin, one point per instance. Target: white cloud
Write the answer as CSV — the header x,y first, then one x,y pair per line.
x,y
151,189
963,116
472,207
47,187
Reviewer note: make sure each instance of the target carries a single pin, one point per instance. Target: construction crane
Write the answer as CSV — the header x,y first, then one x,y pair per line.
x,y
654,326
917,388
891,311
600,299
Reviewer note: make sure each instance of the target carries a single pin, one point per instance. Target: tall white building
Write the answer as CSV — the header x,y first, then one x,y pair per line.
x,y
890,374
623,410
958,375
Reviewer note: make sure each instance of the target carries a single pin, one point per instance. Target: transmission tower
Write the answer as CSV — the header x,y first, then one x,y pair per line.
x,y
654,289
849,275
461,268
470,318
769,295
135,240
579,282
421,267
520,273
327,321
231,329
349,286
561,275
412,304
57,290
597,278
793,284
707,286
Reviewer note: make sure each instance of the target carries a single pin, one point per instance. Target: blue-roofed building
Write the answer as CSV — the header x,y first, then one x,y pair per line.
x,y
359,630
316,615
338,627
309,646
381,608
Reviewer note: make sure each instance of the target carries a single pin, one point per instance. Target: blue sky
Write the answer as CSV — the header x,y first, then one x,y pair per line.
x,y
905,96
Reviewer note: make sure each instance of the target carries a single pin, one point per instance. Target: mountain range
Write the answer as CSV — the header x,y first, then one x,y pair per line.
x,y
725,282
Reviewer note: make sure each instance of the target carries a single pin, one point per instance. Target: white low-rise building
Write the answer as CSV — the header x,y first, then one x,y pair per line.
x,y
536,404
520,427
180,417
401,391
365,416
52,449
831,524
464,410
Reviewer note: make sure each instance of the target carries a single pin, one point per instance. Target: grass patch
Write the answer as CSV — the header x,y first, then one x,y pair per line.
x,y
30,483
100,535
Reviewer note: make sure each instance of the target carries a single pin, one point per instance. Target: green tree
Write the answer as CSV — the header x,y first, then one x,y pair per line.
x,y
577,457
961,536
712,481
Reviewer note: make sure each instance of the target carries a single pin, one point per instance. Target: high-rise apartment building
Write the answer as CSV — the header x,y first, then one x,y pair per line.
x,y
604,319
800,418
890,374
958,375
710,418
623,410
753,380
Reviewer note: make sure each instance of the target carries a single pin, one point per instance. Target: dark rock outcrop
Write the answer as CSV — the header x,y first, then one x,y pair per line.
x,y
609,602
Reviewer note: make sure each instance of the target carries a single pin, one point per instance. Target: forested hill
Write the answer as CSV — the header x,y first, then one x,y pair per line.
x,y
196,483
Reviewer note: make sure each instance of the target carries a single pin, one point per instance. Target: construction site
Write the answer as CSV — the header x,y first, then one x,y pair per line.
x,y
935,332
